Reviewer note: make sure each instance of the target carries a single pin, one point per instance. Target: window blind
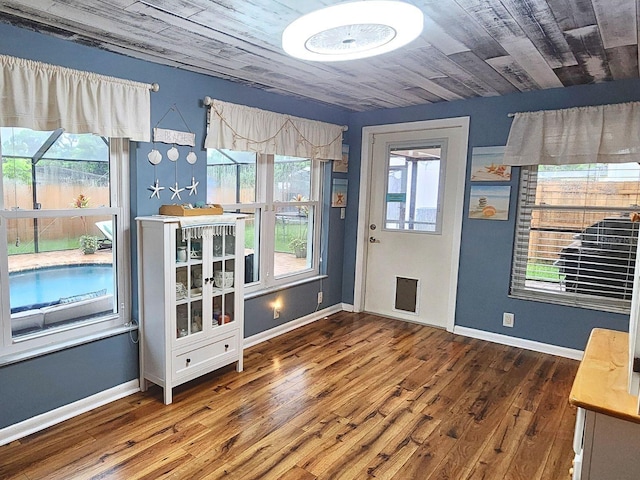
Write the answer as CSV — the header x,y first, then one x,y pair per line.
x,y
576,235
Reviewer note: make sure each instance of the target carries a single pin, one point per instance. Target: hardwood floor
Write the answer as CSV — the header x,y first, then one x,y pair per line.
x,y
353,396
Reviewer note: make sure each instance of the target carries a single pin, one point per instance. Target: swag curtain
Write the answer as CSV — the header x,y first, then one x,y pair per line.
x,y
238,127
599,134
40,96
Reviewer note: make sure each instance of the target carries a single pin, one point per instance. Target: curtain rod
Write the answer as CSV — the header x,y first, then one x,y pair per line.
x,y
511,115
154,87
207,100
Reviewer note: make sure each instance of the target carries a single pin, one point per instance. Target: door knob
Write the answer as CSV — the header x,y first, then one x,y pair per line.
x,y
373,240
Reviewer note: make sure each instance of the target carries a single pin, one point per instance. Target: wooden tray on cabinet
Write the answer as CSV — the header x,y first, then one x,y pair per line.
x,y
181,211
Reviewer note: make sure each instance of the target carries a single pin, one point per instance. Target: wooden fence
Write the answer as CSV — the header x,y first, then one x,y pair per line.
x,y
53,197
544,245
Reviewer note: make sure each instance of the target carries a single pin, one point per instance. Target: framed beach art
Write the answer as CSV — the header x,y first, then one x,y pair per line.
x,y
489,202
487,166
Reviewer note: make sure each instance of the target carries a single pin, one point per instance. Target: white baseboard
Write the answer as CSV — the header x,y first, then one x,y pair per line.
x,y
519,342
45,420
292,325
347,307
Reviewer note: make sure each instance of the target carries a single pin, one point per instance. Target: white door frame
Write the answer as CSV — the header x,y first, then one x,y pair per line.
x,y
366,160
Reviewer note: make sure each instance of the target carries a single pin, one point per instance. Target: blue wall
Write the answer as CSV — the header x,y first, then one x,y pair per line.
x,y
41,384
90,368
486,251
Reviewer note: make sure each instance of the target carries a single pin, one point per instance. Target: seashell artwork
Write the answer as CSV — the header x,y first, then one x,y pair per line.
x,y
155,157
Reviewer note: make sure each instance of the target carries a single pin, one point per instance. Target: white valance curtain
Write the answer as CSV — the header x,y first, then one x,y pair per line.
x,y
599,134
40,96
238,127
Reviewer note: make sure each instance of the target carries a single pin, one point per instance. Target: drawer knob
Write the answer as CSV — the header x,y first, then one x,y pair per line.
x,y
188,361
226,347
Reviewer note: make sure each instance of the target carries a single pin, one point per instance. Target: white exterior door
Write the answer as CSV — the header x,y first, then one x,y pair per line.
x,y
414,221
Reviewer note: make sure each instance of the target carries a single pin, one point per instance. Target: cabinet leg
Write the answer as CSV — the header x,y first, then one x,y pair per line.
x,y
168,398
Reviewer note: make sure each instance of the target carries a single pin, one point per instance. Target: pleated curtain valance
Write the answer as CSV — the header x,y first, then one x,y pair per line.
x,y
598,134
45,97
242,128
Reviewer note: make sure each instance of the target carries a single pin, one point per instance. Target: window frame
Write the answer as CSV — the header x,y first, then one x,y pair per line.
x,y
16,349
264,204
518,288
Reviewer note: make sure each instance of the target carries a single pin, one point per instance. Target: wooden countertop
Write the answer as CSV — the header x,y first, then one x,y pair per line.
x,y
601,381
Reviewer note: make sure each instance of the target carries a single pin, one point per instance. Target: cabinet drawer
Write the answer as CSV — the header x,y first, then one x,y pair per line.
x,y
203,355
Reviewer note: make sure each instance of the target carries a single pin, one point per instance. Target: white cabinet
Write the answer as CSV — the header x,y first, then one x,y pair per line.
x,y
605,447
190,298
607,436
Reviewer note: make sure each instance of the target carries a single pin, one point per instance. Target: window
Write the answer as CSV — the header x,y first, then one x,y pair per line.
x,y
280,195
414,189
63,217
576,237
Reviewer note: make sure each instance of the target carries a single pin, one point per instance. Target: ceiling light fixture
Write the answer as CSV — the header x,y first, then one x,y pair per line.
x,y
352,30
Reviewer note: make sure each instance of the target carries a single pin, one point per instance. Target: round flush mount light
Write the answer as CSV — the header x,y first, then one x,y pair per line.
x,y
348,31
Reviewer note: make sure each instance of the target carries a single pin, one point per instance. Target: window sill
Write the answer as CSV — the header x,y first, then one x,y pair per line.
x,y
10,358
600,306
284,286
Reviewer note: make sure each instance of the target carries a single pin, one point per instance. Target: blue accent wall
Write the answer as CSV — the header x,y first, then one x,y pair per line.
x,y
487,246
44,383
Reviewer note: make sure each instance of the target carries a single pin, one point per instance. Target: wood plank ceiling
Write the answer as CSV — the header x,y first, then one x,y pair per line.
x,y
469,48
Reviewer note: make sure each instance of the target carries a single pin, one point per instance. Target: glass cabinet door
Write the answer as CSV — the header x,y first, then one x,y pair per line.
x,y
189,282
223,268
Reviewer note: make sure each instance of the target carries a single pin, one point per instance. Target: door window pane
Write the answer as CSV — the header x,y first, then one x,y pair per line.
x,y
414,189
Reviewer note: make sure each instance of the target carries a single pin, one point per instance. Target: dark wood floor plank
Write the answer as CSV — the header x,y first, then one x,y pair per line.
x,y
500,448
487,411
535,447
350,396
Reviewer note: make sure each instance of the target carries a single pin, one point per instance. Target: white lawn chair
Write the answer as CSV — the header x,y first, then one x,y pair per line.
x,y
106,227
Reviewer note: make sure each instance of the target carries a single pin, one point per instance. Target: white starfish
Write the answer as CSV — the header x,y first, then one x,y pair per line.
x,y
193,188
155,189
176,191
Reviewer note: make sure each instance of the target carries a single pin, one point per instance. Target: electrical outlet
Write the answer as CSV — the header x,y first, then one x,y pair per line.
x,y
276,312
508,319
319,297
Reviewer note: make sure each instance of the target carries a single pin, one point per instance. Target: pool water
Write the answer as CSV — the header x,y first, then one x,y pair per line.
x,y
46,285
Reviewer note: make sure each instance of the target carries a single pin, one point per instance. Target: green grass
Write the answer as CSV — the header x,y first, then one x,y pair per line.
x,y
545,272
44,245
284,234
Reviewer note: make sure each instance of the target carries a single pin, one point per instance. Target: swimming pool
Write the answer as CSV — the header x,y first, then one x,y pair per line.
x,y
50,284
